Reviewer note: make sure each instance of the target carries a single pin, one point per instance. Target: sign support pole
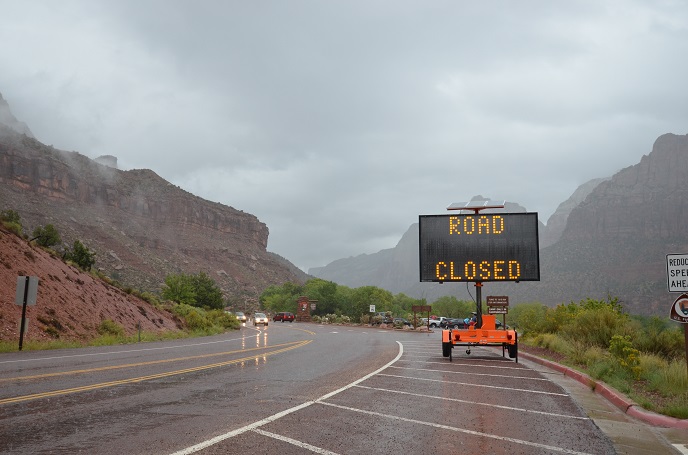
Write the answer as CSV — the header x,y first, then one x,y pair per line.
x,y
685,328
479,304
23,319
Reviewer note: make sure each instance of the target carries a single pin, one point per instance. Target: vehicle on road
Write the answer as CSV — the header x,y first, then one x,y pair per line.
x,y
260,318
240,316
283,316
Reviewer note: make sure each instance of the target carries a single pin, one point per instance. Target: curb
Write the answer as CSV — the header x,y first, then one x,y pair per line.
x,y
612,395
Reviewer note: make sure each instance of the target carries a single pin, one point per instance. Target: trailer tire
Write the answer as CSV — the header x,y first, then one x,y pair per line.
x,y
513,350
446,349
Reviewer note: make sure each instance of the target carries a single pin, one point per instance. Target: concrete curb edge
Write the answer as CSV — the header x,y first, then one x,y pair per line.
x,y
612,395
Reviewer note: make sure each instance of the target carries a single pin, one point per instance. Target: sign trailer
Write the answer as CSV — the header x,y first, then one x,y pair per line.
x,y
479,247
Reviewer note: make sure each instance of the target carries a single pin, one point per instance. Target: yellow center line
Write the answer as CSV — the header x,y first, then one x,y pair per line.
x,y
145,378
130,365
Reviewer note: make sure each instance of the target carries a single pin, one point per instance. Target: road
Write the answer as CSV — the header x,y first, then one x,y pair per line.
x,y
288,388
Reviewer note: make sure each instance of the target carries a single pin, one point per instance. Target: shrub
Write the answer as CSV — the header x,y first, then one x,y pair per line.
x,y
655,337
110,327
46,236
81,256
595,327
623,351
529,318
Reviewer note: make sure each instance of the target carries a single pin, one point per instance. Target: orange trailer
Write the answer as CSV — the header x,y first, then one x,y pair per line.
x,y
486,335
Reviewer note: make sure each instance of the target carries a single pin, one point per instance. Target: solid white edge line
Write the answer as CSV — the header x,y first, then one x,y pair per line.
x,y
260,423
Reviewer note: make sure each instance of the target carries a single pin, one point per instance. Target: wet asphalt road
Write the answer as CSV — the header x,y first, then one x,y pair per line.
x,y
288,389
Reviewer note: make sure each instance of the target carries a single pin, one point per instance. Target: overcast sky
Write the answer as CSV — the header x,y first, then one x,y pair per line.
x,y
337,123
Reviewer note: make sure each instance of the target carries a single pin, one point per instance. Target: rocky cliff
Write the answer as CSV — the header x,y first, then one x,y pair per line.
x,y
141,226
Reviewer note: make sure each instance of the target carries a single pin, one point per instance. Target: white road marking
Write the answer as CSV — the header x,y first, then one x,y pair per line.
x,y
130,350
477,403
508,366
683,448
475,385
272,418
460,430
291,441
470,373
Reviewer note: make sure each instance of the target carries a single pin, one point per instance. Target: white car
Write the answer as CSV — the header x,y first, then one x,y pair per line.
x,y
260,318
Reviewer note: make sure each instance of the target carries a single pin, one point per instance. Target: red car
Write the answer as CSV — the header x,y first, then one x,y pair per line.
x,y
284,316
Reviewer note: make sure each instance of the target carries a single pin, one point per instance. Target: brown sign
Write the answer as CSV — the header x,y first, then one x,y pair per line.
x,y
421,309
498,300
679,310
498,310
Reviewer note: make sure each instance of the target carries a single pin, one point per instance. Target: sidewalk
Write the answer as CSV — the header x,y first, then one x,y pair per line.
x,y
632,429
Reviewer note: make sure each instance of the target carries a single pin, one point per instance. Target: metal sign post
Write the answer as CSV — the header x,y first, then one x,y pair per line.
x,y
679,313
27,289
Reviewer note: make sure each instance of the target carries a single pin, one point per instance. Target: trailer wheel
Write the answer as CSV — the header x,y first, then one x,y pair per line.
x,y
446,349
513,350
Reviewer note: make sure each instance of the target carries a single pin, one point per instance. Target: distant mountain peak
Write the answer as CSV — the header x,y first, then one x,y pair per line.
x,y
9,120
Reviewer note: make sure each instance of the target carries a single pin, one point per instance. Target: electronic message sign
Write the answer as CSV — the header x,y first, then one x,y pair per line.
x,y
479,247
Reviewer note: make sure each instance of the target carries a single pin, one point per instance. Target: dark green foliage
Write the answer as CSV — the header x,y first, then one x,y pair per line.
x,y
81,256
46,236
179,288
333,299
208,294
195,290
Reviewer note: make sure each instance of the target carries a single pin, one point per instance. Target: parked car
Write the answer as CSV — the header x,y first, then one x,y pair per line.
x,y
381,318
434,323
260,318
240,316
283,316
453,323
402,321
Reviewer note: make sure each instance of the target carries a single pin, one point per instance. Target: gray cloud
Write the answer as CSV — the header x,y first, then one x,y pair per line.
x,y
338,123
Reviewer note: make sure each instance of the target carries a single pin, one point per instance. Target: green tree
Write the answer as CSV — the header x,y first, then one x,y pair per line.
x,y
46,236
452,307
195,290
325,292
365,296
280,298
180,289
81,256
208,294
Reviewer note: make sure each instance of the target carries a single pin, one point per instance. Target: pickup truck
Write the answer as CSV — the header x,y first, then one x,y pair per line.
x,y
434,323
